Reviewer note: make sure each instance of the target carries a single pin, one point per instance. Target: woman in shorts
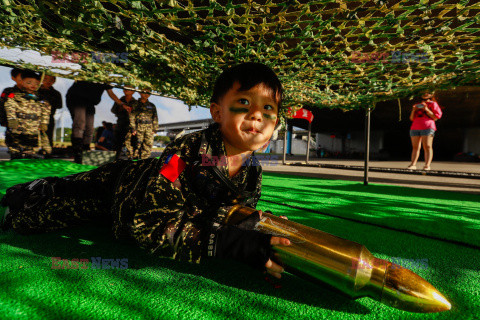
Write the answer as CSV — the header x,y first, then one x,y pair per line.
x,y
423,117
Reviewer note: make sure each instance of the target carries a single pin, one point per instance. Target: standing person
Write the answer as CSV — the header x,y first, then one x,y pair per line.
x,y
175,205
144,124
16,75
54,98
82,97
27,116
422,130
123,123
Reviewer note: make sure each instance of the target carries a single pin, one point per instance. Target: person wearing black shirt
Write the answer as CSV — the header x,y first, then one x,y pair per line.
x,y
47,92
82,97
123,122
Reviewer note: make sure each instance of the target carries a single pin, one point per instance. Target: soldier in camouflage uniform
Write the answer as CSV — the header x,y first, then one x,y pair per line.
x,y
27,118
174,205
143,124
48,93
123,122
16,75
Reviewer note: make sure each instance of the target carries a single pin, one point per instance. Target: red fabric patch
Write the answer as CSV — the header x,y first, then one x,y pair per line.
x,y
3,95
11,95
302,114
172,168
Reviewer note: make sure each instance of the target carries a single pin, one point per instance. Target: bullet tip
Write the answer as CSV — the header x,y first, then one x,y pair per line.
x,y
408,291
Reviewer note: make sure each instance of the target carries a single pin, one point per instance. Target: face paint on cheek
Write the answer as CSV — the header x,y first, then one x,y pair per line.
x,y
270,116
238,110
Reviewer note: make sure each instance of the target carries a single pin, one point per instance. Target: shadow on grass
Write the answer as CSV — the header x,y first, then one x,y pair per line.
x,y
446,215
155,274
451,268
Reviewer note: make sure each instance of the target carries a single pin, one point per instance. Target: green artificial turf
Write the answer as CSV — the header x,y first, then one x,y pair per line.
x,y
160,288
440,214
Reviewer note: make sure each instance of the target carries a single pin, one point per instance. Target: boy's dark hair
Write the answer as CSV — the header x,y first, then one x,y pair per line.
x,y
248,74
15,72
30,74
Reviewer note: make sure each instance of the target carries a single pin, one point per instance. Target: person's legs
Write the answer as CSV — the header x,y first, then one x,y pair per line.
x,y
79,118
45,144
147,144
51,127
28,143
8,138
138,145
53,203
416,144
78,128
427,142
14,145
120,138
88,133
128,145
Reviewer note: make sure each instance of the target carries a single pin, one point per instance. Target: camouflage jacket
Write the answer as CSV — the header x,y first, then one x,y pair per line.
x,y
171,203
3,99
143,114
122,114
28,110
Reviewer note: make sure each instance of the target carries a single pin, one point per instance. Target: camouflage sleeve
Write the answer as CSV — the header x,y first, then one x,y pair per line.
x,y
162,223
3,116
46,110
3,97
11,107
131,118
155,118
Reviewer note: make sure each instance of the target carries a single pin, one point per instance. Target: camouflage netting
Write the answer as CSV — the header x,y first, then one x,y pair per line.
x,y
346,54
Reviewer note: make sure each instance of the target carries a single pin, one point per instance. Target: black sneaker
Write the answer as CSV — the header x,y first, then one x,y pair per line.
x,y
27,194
6,221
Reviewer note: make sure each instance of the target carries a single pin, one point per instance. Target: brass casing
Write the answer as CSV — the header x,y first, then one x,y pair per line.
x,y
344,265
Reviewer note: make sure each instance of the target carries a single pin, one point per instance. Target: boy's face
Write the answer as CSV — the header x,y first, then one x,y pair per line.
x,y
247,118
128,92
30,84
48,82
144,96
18,80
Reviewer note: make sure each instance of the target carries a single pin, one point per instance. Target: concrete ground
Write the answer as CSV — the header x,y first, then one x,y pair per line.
x,y
401,178
352,170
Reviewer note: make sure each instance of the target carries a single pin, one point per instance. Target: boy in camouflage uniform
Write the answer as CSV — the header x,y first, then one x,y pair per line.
x,y
16,75
175,205
27,117
143,125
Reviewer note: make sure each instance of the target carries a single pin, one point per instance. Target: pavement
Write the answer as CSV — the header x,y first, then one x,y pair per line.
x,y
445,175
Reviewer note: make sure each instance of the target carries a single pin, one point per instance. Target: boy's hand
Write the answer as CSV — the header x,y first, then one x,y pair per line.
x,y
127,108
273,268
134,133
